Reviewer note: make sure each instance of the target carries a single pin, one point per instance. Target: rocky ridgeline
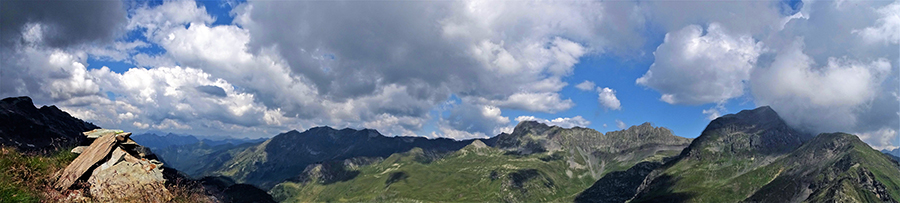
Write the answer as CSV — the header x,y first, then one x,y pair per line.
x,y
113,168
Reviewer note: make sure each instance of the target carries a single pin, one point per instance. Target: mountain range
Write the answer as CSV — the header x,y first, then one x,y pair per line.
x,y
750,156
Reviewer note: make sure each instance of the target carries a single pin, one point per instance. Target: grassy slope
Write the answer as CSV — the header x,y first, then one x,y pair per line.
x,y
29,178
24,178
834,164
242,161
726,180
719,181
469,175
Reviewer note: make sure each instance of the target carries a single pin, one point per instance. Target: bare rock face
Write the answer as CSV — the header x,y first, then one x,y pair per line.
x,y
128,179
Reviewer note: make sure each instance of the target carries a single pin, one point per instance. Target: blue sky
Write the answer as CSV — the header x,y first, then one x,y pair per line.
x,y
460,69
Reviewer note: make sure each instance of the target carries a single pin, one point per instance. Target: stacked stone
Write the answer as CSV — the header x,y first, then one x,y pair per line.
x,y
120,169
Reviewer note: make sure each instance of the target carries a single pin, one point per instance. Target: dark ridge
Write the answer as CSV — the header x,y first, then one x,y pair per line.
x,y
247,193
618,186
39,130
291,152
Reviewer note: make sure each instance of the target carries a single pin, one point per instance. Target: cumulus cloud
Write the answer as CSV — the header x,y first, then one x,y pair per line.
x,y
491,53
821,65
886,28
608,98
820,98
696,67
576,121
585,86
48,75
880,139
284,65
549,102
478,120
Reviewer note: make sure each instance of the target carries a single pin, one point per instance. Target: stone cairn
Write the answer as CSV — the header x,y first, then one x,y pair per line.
x,y
116,168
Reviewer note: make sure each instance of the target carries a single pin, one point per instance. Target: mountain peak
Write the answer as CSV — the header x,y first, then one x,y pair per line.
x,y
31,129
643,126
18,101
759,113
749,132
529,125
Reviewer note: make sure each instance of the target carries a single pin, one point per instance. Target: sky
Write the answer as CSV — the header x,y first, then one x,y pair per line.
x,y
456,69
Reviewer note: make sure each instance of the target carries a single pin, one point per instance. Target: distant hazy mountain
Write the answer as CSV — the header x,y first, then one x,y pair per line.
x,y
34,130
191,155
895,154
155,140
752,156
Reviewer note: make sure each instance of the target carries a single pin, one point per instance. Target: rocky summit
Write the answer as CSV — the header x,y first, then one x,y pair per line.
x,y
31,129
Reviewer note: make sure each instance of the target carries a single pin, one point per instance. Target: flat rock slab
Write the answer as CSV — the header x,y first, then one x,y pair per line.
x,y
97,133
93,154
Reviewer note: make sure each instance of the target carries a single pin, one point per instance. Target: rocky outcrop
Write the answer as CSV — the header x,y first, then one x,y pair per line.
x,y
38,130
115,169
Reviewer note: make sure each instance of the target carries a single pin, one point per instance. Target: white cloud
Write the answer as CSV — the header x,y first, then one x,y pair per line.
x,y
585,86
169,14
880,139
887,28
696,67
621,125
549,102
608,99
458,134
393,125
716,111
140,125
561,121
478,120
819,98
277,73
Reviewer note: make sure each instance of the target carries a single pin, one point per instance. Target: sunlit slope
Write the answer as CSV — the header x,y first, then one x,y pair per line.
x,y
753,156
535,163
